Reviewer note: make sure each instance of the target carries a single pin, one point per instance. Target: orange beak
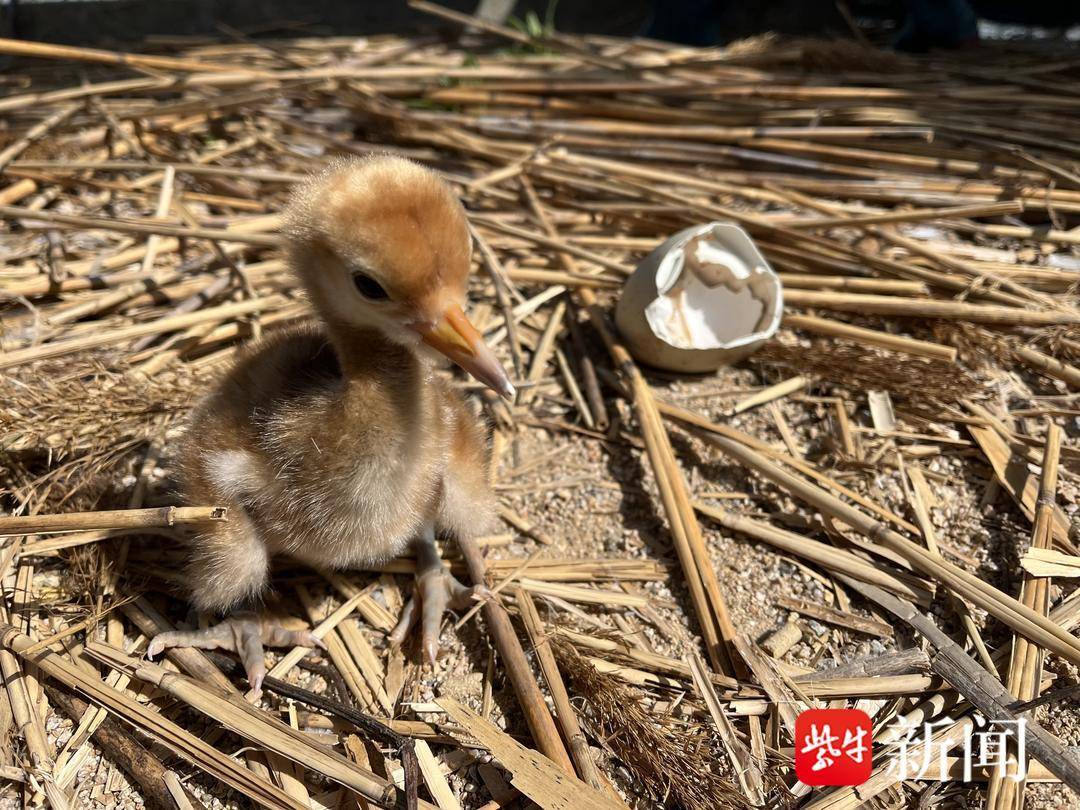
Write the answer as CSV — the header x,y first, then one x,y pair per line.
x,y
458,339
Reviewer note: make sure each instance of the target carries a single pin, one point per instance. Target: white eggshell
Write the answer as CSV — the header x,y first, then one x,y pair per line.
x,y
704,298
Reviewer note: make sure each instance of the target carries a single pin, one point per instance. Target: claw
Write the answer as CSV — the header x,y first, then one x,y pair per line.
x,y
405,622
436,592
256,682
243,635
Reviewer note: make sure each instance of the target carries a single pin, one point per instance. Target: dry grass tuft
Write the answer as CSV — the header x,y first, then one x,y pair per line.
x,y
69,407
910,379
66,426
673,760
978,347
825,55
1063,342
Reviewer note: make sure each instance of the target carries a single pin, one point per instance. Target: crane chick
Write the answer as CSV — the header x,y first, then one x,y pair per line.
x,y
337,444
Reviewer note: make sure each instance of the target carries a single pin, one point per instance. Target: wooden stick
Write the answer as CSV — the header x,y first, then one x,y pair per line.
x,y
980,688
45,50
187,745
122,749
927,308
116,519
910,661
1024,677
564,711
886,775
1023,620
884,340
528,693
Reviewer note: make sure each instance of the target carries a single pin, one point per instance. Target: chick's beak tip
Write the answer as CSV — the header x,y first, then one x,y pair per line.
x,y
506,389
455,337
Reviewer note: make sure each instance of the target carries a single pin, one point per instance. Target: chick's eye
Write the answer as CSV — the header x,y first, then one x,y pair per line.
x,y
369,287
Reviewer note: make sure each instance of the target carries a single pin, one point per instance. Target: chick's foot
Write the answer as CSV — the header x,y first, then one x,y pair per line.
x,y
436,592
243,634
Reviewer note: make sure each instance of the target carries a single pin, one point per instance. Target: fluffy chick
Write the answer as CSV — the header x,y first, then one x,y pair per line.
x,y
337,444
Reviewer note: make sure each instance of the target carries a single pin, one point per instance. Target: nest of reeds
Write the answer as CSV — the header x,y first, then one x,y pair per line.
x,y
922,214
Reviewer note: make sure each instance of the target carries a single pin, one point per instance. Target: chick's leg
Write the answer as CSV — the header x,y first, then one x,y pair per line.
x,y
242,633
229,565
437,591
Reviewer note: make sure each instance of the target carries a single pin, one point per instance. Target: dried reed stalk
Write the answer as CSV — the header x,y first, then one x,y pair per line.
x,y
884,340
715,429
1024,677
115,519
241,718
122,749
747,768
977,210
828,557
564,711
527,690
716,626
118,335
181,742
1023,620
979,687
573,161
770,394
45,50
928,308
534,775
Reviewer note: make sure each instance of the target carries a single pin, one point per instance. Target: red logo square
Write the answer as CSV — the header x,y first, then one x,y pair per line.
x,y
833,747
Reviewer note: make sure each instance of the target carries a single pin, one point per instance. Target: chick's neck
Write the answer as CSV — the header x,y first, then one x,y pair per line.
x,y
365,352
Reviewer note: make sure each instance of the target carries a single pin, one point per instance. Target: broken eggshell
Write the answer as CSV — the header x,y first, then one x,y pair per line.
x,y
703,299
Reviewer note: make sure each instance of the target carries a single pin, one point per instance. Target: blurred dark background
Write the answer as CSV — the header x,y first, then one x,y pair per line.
x,y
117,22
